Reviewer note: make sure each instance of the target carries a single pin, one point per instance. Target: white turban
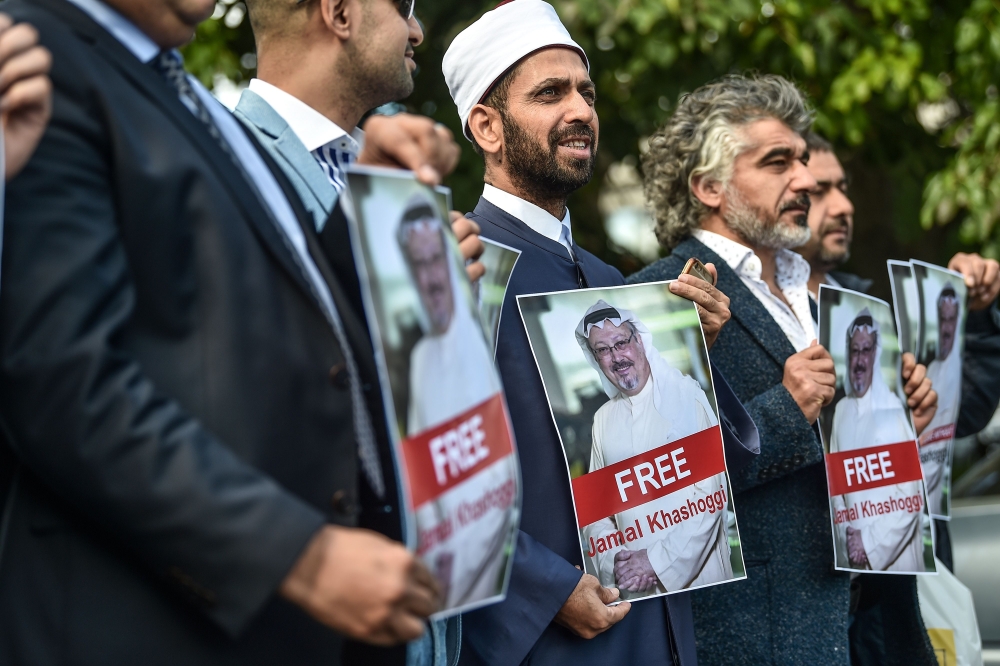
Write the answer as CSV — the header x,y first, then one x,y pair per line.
x,y
482,53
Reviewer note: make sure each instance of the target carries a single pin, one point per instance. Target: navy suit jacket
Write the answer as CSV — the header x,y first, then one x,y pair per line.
x,y
520,629
793,608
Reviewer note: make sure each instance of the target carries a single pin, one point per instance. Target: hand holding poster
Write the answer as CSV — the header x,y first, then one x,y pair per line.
x,y
877,502
448,418
626,375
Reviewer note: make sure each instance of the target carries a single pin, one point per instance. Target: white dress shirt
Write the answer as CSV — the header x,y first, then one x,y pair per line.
x,y
333,147
792,277
537,219
271,195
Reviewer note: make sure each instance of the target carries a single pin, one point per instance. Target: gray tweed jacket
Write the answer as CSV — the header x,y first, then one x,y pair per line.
x,y
793,608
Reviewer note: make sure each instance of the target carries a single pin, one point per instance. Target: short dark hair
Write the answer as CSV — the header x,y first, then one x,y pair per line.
x,y
497,98
817,144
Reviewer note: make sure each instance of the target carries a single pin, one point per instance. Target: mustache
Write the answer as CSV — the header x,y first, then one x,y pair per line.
x,y
800,202
621,365
557,135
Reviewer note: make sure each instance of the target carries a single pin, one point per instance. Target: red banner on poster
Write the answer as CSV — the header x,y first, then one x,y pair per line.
x,y
648,476
939,434
448,454
872,467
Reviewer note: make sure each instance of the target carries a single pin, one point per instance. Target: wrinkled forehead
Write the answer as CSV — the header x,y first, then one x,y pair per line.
x,y
552,65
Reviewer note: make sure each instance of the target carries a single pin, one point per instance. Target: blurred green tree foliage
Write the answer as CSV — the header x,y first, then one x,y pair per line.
x,y
906,90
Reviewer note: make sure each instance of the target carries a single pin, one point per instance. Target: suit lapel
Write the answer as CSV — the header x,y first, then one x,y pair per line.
x,y
156,89
744,305
291,148
515,226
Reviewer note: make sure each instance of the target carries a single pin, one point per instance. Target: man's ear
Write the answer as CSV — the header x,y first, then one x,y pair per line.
x,y
487,129
341,17
707,190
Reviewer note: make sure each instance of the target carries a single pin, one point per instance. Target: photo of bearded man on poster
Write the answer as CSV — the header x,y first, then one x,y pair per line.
x,y
446,380
651,404
870,415
945,373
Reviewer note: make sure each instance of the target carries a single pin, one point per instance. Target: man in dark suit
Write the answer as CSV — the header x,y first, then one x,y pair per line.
x,y
526,100
728,183
188,386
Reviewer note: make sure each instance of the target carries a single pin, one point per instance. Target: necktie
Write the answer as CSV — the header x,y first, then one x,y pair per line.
x,y
171,68
334,160
169,65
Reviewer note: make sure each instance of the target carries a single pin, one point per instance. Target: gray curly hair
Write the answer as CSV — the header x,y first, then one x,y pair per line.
x,y
703,138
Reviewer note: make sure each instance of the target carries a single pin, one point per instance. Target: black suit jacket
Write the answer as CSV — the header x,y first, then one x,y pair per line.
x,y
171,390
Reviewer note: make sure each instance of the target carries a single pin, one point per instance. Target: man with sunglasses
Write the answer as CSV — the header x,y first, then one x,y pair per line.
x,y
203,474
526,100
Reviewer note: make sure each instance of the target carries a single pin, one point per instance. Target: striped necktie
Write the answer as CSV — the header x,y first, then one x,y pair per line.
x,y
334,158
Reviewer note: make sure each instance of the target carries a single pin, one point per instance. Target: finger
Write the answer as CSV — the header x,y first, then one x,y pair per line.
x,y
824,378
462,226
710,267
827,394
475,270
919,394
403,627
5,21
34,63
961,263
420,575
18,39
909,362
824,365
616,614
696,293
815,351
916,378
408,153
608,594
419,600
30,93
450,152
471,248
929,403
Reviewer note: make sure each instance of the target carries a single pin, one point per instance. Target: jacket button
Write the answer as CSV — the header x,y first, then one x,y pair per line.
x,y
339,376
342,504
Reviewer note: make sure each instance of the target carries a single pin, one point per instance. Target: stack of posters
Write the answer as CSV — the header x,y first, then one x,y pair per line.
x,y
447,415
878,505
499,261
627,378
931,310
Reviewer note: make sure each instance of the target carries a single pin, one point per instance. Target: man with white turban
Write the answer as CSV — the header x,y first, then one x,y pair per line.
x,y
651,404
945,373
447,378
526,101
870,415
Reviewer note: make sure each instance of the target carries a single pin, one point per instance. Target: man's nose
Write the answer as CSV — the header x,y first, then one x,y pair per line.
x,y
416,31
579,111
802,180
840,206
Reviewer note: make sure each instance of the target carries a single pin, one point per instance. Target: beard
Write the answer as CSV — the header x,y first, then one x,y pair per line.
x,y
836,256
628,382
378,78
761,229
536,170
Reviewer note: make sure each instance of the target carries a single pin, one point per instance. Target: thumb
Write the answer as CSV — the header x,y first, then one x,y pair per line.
x,y
608,595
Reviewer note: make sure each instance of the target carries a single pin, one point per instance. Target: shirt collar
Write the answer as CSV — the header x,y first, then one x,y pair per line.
x,y
791,270
135,40
537,219
312,128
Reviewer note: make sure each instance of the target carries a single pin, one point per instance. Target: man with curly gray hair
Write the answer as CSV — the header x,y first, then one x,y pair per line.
x,y
728,182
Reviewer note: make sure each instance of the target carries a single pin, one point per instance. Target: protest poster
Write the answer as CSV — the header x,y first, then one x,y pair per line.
x,y
942,308
489,290
447,415
627,379
878,506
